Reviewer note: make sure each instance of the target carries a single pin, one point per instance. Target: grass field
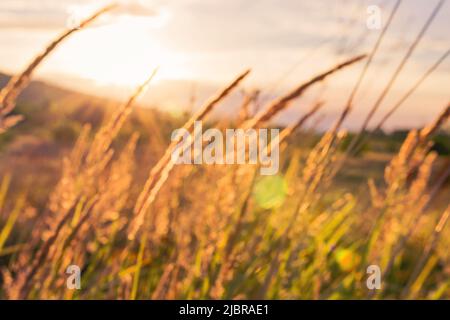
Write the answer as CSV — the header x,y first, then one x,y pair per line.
x,y
88,183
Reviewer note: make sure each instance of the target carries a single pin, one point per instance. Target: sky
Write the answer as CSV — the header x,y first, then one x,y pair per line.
x,y
201,45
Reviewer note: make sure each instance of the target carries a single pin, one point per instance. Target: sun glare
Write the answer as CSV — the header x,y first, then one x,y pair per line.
x,y
123,53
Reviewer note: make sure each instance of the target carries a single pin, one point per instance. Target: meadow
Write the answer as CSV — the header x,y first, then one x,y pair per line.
x,y
88,183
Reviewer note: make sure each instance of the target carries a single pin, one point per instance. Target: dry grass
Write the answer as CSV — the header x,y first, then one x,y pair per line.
x,y
224,231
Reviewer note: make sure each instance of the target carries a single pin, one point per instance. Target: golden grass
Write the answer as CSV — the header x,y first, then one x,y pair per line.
x,y
224,231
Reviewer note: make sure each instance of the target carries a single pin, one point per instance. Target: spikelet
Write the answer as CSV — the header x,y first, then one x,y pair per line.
x,y
11,91
405,196
280,104
162,169
76,193
294,127
115,192
87,161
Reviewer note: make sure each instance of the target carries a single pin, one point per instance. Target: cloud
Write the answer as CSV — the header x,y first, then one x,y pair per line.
x,y
53,14
136,8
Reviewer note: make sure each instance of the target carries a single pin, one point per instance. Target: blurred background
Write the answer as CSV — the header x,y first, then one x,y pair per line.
x,y
199,45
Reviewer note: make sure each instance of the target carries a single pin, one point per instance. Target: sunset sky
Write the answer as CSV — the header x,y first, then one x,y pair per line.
x,y
204,44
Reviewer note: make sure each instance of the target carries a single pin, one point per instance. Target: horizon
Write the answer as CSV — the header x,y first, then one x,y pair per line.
x,y
225,111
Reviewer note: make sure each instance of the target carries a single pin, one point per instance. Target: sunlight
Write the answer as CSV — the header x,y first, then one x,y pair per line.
x,y
121,54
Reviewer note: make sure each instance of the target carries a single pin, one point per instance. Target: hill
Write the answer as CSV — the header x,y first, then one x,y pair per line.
x,y
53,119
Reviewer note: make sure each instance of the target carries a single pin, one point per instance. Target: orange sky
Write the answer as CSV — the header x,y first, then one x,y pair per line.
x,y
204,44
